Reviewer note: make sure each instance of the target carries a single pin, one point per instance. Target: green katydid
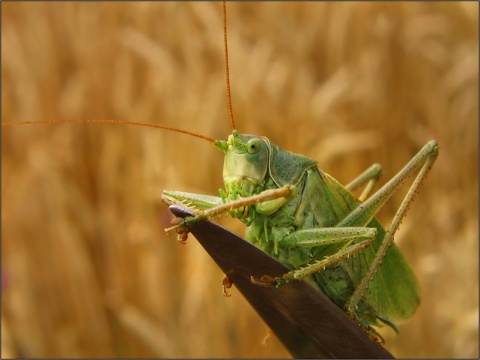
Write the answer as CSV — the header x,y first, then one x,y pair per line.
x,y
312,224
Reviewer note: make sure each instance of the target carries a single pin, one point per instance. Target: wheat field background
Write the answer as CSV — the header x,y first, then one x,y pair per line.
x,y
87,270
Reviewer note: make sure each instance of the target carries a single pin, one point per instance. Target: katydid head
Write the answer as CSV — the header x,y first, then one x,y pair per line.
x,y
246,156
246,163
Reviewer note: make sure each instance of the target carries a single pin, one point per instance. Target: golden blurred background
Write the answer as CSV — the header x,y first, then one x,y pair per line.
x,y
87,270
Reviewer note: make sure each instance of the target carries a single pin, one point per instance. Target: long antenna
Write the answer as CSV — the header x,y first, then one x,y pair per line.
x,y
227,70
101,121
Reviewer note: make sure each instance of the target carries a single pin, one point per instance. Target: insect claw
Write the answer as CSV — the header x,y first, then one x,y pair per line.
x,y
268,281
182,239
375,335
226,284
371,332
265,281
180,228
182,234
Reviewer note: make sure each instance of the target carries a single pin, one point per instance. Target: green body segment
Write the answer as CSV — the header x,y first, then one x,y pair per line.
x,y
345,254
321,202
392,295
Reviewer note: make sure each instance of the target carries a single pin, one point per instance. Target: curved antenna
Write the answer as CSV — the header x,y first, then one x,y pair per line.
x,y
227,70
156,126
104,121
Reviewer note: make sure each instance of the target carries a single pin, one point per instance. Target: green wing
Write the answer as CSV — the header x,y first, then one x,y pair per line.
x,y
394,291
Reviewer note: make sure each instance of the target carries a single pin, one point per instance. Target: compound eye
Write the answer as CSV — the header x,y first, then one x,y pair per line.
x,y
254,145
